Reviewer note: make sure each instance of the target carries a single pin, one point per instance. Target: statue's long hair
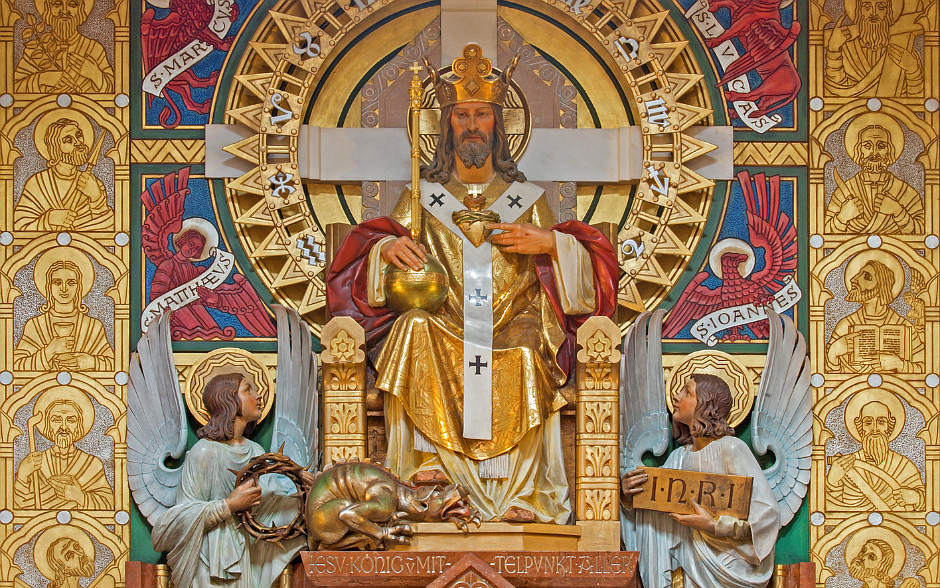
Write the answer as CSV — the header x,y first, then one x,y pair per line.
x,y
711,411
64,264
441,168
220,398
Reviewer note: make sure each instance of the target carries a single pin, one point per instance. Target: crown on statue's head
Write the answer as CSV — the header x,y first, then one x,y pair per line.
x,y
471,79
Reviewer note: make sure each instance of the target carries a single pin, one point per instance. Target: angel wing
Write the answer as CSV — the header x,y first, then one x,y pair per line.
x,y
156,422
696,301
644,420
782,416
239,298
766,39
164,201
296,407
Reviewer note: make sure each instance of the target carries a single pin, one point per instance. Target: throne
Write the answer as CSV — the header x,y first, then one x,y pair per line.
x,y
354,428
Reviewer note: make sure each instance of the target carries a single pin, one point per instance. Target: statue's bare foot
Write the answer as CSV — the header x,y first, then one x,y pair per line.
x,y
429,477
518,515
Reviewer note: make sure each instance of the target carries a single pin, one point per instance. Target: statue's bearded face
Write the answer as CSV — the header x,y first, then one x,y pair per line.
x,y
875,22
874,150
864,285
71,560
64,16
473,123
70,146
874,426
64,425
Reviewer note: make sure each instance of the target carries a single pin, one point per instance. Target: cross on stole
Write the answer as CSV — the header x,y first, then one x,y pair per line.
x,y
478,364
514,201
437,200
478,297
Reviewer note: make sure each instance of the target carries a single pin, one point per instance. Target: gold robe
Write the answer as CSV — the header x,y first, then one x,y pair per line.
x,y
43,193
36,62
881,478
89,337
85,469
420,366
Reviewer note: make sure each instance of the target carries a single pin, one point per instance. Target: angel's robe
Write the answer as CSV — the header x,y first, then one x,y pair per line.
x,y
46,191
86,470
868,486
730,559
420,365
205,545
869,192
88,333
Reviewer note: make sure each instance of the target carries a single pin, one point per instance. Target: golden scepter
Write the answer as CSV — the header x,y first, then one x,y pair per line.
x,y
414,92
424,289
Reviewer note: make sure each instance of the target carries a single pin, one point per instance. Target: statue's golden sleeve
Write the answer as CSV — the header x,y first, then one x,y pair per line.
x,y
402,212
542,214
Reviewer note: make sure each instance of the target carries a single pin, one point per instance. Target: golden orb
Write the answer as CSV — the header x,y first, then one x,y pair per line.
x,y
425,289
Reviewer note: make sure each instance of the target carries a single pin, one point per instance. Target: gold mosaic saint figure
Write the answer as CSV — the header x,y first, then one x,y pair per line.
x,y
877,559
64,554
62,59
62,197
875,476
69,562
63,476
875,338
874,200
63,336
874,56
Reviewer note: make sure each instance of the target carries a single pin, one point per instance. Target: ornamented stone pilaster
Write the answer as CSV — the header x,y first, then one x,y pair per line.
x,y
344,391
598,484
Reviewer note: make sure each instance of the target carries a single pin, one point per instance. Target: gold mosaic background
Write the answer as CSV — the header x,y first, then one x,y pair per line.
x,y
874,313
64,291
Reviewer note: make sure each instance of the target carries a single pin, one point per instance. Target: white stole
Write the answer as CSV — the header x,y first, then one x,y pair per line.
x,y
478,298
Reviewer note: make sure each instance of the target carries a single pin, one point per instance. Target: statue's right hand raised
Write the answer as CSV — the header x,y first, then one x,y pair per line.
x,y
245,496
405,253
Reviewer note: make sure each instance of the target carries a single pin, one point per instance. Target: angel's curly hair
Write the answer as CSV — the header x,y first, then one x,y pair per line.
x,y
220,398
711,412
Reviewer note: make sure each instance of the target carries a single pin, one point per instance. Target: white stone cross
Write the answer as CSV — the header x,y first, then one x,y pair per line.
x,y
352,155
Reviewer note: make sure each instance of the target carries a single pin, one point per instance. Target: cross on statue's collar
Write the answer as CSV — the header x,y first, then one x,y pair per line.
x,y
474,190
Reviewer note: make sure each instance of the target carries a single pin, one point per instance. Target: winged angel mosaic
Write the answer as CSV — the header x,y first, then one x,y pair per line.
x,y
724,551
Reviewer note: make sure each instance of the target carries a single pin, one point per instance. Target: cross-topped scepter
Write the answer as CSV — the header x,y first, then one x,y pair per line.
x,y
414,92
